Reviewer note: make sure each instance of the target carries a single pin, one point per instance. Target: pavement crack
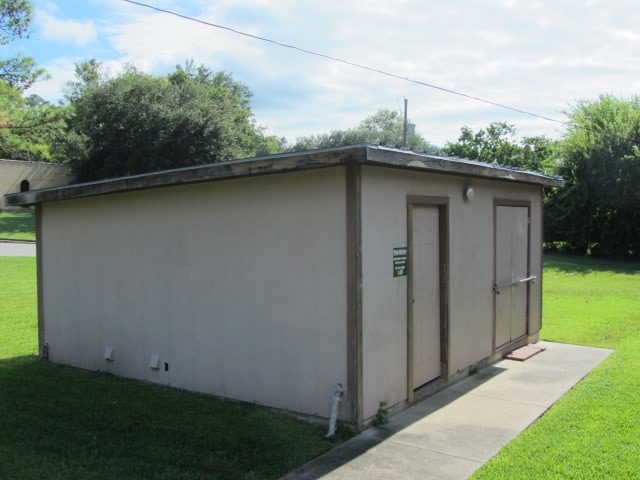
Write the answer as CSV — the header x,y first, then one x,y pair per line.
x,y
436,452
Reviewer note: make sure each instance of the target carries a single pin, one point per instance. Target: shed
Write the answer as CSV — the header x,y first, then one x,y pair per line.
x,y
273,279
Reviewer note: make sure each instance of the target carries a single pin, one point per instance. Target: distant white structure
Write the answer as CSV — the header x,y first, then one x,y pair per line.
x,y
19,176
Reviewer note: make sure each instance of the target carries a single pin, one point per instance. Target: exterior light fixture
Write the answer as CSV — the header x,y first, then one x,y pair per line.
x,y
468,193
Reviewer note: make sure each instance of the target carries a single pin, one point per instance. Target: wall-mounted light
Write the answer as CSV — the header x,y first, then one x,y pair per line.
x,y
468,193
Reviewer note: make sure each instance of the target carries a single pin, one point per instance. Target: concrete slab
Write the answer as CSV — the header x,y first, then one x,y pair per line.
x,y
452,433
533,384
386,460
470,427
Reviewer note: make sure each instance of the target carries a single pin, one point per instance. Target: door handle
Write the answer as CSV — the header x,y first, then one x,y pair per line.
x,y
515,283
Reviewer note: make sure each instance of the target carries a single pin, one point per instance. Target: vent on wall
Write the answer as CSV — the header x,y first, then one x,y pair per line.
x,y
154,362
108,353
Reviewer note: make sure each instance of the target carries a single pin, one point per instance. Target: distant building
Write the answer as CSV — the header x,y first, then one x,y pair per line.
x,y
19,176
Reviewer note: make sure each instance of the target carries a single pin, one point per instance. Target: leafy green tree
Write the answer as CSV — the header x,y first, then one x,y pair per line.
x,y
30,128
15,17
19,72
135,122
88,73
499,144
385,126
540,154
598,210
271,145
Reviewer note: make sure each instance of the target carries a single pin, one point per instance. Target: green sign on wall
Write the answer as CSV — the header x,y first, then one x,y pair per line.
x,y
400,262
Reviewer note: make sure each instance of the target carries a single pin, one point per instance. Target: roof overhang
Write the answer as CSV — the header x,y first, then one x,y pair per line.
x,y
287,162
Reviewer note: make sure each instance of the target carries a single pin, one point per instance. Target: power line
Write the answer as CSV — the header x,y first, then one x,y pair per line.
x,y
346,62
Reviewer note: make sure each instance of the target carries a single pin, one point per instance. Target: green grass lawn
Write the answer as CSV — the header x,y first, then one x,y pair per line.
x,y
63,423
17,226
60,422
594,430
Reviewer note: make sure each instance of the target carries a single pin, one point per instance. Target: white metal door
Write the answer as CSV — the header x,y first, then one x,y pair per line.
x,y
425,268
512,268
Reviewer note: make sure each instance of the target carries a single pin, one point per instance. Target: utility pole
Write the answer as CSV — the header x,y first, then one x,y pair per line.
x,y
404,127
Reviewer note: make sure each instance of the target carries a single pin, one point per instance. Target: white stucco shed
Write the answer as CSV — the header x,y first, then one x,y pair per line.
x,y
273,279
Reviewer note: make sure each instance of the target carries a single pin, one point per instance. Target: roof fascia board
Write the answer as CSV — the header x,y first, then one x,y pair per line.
x,y
197,174
450,166
289,162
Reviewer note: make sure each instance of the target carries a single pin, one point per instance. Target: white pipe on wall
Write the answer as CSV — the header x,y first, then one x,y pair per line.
x,y
335,401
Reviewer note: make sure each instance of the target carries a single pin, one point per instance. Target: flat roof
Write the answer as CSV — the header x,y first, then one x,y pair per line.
x,y
365,154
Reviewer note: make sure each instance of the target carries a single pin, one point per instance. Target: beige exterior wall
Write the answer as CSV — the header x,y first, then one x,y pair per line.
x,y
471,273
239,286
39,175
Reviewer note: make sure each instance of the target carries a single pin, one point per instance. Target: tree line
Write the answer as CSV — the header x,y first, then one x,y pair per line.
x,y
597,212
134,122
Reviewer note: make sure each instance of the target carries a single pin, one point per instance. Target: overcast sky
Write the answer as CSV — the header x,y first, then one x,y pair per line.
x,y
537,56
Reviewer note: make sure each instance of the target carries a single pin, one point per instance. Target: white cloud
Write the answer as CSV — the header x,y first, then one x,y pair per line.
x,y
155,40
78,32
62,71
540,56
627,35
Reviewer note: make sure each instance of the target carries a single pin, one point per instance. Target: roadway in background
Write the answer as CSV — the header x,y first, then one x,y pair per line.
x,y
17,249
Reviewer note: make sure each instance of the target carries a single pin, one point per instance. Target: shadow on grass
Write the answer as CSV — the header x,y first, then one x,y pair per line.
x,y
575,264
67,422
17,225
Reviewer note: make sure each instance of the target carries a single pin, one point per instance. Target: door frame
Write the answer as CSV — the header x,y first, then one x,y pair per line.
x,y
502,202
442,203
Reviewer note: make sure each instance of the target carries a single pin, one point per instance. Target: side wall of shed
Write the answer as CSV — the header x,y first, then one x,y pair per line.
x,y
238,287
471,273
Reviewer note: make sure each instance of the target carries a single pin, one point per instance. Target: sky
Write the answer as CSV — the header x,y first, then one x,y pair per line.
x,y
541,57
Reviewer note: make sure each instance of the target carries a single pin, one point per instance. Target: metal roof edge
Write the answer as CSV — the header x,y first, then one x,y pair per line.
x,y
264,165
387,156
285,162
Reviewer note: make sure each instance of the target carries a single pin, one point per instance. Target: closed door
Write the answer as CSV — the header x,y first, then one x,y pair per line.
x,y
512,267
425,305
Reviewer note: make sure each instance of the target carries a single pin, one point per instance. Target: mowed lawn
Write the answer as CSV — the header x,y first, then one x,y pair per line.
x,y
63,423
593,432
58,422
17,226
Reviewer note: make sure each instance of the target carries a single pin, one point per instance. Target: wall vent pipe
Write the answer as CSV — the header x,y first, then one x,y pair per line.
x,y
335,401
108,353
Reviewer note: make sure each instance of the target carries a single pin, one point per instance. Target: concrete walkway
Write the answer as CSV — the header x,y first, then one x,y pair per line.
x,y
452,433
17,249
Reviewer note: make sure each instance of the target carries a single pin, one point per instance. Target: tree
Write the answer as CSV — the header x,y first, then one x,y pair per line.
x,y
88,73
15,17
19,72
271,144
136,123
385,127
499,144
598,210
30,128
